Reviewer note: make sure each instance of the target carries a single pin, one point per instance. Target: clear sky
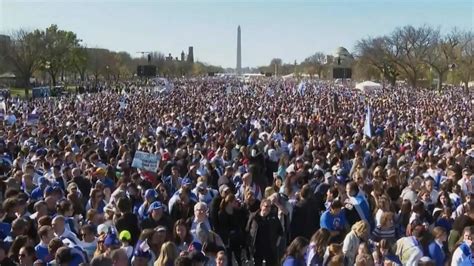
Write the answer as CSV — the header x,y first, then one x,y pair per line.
x,y
287,29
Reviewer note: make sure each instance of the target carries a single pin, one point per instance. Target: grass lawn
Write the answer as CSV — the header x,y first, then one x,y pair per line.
x,y
20,92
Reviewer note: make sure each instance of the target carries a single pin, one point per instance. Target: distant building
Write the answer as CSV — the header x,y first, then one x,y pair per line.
x,y
341,63
190,55
183,58
239,51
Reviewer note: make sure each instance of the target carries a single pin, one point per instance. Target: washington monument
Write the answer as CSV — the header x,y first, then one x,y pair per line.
x,y
239,52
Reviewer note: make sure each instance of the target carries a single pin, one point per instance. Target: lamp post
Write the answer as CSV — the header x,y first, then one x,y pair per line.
x,y
47,66
383,75
107,70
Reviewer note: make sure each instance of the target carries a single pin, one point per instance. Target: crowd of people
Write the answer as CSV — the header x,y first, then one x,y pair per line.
x,y
247,174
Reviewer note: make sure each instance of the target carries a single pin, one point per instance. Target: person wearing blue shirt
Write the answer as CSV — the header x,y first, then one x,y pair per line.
x,y
173,181
335,221
295,253
38,192
359,203
100,174
150,197
45,233
435,248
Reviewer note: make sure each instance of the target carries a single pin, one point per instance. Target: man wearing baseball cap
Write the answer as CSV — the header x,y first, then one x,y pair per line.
x,y
156,217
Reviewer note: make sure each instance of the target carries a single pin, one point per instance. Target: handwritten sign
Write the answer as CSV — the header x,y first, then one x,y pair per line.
x,y
146,161
33,119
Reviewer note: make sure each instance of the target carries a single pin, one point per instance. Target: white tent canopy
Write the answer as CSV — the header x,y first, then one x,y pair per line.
x,y
368,86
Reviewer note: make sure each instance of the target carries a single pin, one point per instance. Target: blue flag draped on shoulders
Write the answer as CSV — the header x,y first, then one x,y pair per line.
x,y
367,128
301,87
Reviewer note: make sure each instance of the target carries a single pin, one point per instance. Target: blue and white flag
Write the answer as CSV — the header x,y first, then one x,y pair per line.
x,y
301,88
367,129
3,110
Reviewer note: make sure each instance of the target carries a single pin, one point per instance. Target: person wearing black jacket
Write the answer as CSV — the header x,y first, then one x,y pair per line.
x,y
128,221
305,219
156,217
229,227
214,207
82,183
265,233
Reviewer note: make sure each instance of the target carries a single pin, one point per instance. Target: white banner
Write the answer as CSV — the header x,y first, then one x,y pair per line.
x,y
146,161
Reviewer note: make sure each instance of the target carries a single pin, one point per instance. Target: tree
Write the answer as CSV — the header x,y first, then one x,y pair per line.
x,y
96,61
275,65
409,47
376,52
442,54
315,64
22,51
78,61
464,66
58,50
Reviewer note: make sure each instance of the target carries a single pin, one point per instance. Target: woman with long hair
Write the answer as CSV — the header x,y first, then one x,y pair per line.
x,y
294,255
96,201
282,165
363,258
335,256
383,205
358,234
403,217
443,202
317,247
182,236
229,227
168,254
383,253
386,230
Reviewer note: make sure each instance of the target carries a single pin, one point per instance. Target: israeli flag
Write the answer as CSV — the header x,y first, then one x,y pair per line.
x,y
367,129
3,110
301,88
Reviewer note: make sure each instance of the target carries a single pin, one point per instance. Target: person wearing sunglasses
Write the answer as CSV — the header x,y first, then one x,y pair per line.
x,y
26,257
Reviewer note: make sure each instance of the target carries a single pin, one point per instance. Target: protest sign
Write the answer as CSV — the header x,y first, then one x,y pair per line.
x,y
33,119
146,161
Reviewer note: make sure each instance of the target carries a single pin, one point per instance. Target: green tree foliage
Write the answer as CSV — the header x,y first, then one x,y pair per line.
x,y
58,50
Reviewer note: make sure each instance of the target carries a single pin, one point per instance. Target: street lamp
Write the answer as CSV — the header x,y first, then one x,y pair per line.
x,y
47,66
